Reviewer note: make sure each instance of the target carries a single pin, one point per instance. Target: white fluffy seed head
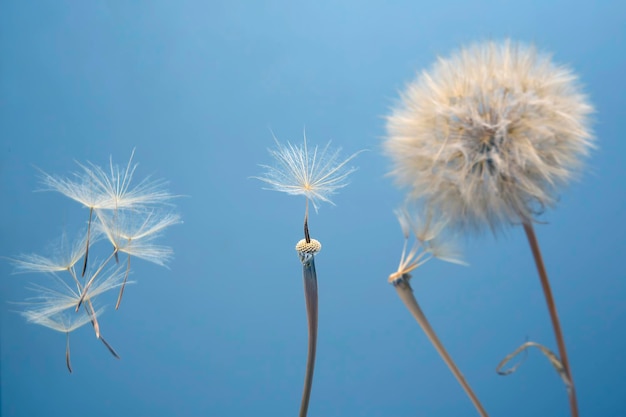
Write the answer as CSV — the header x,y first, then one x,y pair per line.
x,y
312,247
487,136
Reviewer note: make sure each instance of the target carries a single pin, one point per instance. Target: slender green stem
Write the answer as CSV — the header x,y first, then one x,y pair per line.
x,y
310,295
556,324
406,295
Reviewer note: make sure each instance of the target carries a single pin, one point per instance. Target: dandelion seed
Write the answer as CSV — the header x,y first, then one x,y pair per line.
x,y
65,256
61,322
67,322
133,233
487,138
51,301
51,307
316,174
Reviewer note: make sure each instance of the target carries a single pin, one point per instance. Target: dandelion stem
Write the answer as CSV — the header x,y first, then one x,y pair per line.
x,y
119,297
67,352
87,246
310,296
547,291
406,295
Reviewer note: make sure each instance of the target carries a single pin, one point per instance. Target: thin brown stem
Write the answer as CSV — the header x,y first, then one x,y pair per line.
x,y
556,324
310,296
406,295
88,236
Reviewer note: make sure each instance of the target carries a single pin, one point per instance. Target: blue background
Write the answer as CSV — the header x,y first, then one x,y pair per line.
x,y
196,88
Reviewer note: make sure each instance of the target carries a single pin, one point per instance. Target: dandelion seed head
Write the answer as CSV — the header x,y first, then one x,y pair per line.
x,y
312,247
315,173
487,136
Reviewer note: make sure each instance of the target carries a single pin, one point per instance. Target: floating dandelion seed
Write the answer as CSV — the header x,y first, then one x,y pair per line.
x,y
65,256
52,307
316,174
428,244
487,137
61,322
134,233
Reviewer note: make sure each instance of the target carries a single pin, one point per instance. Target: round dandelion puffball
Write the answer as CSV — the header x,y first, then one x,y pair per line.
x,y
488,135
312,247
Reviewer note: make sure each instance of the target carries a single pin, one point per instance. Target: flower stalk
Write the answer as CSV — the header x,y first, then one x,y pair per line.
x,y
309,276
405,292
554,317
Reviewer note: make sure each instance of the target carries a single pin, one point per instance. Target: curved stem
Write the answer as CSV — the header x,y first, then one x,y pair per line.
x,y
406,295
310,295
556,324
